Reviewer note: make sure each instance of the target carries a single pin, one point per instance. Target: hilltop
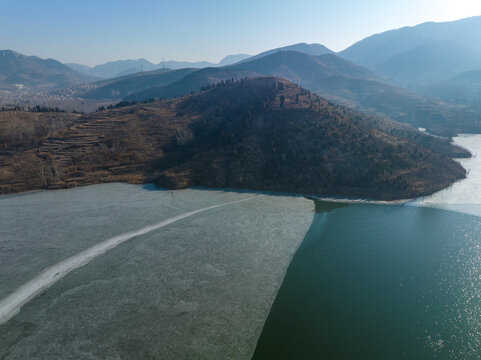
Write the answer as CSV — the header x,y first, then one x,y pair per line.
x,y
309,49
338,80
261,134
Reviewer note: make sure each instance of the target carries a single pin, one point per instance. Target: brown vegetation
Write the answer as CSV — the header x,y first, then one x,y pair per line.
x,y
261,134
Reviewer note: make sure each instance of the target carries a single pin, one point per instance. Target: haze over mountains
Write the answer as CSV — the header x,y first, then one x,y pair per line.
x,y
310,49
461,89
115,68
112,89
125,67
333,78
352,85
18,70
421,55
411,57
398,74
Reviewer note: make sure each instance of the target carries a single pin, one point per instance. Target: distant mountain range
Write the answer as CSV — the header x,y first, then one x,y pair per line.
x,y
421,55
120,87
411,57
391,74
120,68
295,66
115,68
228,60
17,70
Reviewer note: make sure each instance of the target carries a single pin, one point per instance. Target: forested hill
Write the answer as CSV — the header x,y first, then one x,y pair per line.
x,y
260,134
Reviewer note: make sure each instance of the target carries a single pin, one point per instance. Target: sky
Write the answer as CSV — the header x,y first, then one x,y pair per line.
x,y
92,32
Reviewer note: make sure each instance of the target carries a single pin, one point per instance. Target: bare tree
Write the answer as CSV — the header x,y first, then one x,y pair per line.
x,y
184,136
42,174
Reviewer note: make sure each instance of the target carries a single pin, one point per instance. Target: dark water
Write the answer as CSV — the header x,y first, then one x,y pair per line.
x,y
380,282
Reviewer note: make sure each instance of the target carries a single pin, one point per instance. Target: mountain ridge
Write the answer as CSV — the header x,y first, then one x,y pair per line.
x,y
376,51
310,49
118,68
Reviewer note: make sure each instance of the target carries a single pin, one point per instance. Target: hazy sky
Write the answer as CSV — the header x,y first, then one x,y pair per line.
x,y
95,31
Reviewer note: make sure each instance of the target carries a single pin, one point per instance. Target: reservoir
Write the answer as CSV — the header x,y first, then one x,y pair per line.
x,y
136,272
386,281
119,279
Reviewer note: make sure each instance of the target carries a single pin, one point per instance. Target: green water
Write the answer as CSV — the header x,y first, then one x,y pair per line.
x,y
380,282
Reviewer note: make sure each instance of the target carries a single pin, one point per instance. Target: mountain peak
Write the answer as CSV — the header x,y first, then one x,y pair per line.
x,y
232,59
310,49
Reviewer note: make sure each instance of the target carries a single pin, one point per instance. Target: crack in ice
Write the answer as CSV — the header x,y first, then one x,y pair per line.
x,y
12,303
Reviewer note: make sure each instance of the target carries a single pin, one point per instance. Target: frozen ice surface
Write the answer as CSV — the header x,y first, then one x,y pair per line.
x,y
41,229
12,303
199,288
465,195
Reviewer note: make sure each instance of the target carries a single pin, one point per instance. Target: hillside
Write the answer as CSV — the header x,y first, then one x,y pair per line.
x,y
191,83
463,89
17,70
83,69
428,63
423,54
118,88
260,134
307,67
338,80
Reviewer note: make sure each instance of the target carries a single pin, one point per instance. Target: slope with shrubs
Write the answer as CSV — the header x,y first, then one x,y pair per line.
x,y
260,134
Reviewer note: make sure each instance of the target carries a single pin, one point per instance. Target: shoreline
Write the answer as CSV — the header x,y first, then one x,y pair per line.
x,y
327,198
462,196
